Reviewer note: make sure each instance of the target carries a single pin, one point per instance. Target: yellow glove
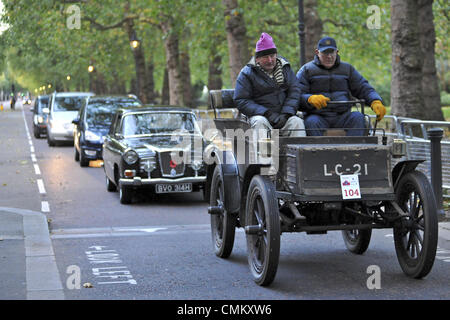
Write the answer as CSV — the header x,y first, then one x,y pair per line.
x,y
318,101
378,108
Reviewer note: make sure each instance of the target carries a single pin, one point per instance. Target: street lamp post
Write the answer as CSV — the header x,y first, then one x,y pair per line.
x,y
301,32
134,41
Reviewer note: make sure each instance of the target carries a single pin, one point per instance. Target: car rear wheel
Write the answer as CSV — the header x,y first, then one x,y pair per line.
x,y
357,241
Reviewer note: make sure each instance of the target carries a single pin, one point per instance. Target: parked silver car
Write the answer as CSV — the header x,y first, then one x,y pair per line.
x,y
63,108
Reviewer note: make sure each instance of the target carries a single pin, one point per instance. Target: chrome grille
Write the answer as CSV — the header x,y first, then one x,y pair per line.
x,y
169,168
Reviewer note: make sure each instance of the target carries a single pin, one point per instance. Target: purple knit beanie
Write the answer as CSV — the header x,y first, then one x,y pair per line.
x,y
265,46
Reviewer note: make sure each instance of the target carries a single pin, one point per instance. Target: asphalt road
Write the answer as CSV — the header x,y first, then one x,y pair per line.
x,y
161,248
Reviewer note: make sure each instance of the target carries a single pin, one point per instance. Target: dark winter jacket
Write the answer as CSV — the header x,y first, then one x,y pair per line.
x,y
256,92
338,83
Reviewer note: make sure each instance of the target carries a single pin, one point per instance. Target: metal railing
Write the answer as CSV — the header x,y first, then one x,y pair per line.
x,y
419,145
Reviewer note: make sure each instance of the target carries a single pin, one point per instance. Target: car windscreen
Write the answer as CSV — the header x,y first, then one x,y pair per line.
x,y
42,103
158,123
68,103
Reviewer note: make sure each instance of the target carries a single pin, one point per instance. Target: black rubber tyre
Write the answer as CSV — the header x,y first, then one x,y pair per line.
x,y
357,241
50,142
223,225
110,186
416,235
83,161
36,133
125,194
264,247
77,155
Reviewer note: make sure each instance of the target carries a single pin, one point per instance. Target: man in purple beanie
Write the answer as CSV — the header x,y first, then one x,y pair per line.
x,y
267,91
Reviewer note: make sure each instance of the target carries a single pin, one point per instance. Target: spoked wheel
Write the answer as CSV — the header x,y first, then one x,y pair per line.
x,y
262,227
357,241
223,224
416,235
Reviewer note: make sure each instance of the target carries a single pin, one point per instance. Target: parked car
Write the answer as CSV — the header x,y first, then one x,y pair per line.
x,y
27,100
63,108
159,148
92,125
40,114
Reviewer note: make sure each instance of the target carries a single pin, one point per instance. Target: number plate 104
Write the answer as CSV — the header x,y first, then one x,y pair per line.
x,y
350,186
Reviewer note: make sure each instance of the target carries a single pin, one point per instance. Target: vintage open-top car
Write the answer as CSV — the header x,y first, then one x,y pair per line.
x,y
159,148
315,184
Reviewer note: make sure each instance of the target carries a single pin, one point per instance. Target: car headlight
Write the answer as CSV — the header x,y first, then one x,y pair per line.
x,y
91,136
40,119
197,165
130,157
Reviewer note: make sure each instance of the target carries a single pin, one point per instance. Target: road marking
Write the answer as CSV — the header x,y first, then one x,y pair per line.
x,y
41,187
98,255
45,206
36,169
32,149
128,231
33,157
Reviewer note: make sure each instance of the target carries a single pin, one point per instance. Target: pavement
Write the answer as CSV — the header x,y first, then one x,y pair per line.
x,y
28,268
27,261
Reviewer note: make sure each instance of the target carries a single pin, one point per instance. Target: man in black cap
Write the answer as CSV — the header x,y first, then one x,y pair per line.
x,y
327,78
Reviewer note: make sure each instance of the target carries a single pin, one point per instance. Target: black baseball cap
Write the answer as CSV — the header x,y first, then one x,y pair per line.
x,y
326,43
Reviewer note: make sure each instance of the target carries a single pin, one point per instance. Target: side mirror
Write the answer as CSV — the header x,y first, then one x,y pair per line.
x,y
46,110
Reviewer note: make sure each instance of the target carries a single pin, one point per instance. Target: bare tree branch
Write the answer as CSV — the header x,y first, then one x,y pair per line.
x,y
119,24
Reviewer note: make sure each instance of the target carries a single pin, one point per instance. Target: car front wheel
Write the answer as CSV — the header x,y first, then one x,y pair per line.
x,y
125,194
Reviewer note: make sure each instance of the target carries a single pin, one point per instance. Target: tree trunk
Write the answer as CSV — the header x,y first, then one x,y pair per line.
x,y
406,83
172,62
139,64
237,38
185,72
139,60
214,72
313,28
165,94
430,82
151,94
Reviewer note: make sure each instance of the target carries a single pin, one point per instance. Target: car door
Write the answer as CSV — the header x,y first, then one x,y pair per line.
x,y
111,151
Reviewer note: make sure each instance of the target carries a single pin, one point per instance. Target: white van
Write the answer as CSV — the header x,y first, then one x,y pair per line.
x,y
63,108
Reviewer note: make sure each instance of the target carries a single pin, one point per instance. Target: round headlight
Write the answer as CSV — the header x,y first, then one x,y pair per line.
x,y
130,157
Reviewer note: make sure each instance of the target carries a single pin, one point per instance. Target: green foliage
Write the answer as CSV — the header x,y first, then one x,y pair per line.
x,y
445,99
39,48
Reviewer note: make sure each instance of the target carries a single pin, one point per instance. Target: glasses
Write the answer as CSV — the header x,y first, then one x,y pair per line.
x,y
328,52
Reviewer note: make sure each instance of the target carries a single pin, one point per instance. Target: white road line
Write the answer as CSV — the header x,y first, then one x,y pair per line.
x,y
45,207
33,157
31,149
36,169
127,231
41,187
